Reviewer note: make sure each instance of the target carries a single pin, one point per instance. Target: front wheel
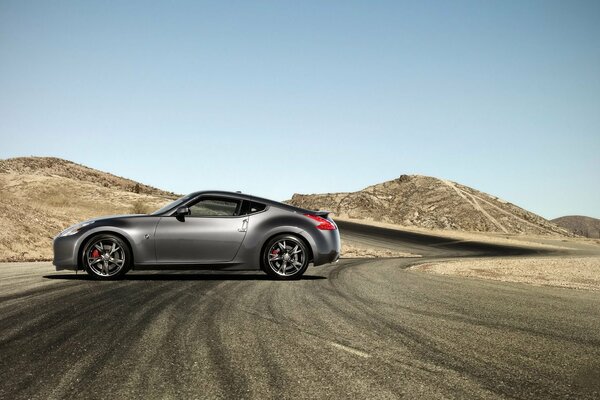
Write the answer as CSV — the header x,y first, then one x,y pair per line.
x,y
285,257
106,257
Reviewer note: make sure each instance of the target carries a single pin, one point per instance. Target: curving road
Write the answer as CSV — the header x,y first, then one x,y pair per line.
x,y
355,329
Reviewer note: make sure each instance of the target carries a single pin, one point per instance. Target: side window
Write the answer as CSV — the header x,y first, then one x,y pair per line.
x,y
251,207
256,207
214,208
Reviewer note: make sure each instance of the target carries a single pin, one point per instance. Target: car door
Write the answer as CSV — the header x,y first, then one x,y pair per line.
x,y
212,233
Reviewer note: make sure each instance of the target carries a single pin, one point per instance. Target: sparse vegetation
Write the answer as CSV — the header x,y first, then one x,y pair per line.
x,y
360,250
139,207
570,272
56,199
39,197
56,167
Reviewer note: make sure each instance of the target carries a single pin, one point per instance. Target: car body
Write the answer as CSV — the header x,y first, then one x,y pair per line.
x,y
207,229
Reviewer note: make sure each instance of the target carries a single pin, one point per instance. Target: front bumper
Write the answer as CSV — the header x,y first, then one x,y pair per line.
x,y
65,252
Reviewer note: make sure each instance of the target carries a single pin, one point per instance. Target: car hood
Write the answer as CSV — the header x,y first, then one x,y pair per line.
x,y
123,216
108,218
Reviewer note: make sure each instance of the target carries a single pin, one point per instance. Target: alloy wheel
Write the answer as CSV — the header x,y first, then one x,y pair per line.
x,y
286,257
105,257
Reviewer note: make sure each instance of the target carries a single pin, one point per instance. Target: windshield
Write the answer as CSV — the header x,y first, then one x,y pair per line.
x,y
172,205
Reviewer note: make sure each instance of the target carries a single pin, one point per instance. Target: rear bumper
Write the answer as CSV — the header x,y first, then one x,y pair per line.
x,y
327,247
65,252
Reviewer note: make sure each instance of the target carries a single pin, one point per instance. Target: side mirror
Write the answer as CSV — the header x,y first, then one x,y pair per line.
x,y
182,212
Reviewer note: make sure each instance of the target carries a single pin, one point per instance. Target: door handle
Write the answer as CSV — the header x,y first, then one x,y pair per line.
x,y
244,227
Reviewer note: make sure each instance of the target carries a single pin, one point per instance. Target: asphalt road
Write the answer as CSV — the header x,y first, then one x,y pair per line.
x,y
355,329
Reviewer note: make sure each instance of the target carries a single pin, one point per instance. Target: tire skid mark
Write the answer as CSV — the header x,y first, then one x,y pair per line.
x,y
460,316
71,305
279,320
89,370
219,351
71,335
359,323
270,339
425,349
194,339
433,349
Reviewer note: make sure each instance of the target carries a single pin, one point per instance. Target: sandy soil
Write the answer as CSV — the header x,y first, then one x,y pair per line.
x,y
569,272
355,250
34,208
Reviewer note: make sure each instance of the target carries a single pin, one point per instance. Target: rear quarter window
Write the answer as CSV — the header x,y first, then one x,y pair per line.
x,y
252,207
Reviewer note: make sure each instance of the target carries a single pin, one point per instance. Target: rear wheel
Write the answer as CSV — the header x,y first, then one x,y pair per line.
x,y
285,257
106,257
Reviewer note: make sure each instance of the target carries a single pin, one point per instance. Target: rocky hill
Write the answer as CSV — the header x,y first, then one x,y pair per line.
x,y
426,202
40,196
56,167
580,225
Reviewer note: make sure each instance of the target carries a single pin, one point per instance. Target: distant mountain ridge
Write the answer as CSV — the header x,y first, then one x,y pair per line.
x,y
580,225
428,202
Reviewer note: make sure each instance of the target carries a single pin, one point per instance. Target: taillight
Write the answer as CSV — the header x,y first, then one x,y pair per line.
x,y
323,223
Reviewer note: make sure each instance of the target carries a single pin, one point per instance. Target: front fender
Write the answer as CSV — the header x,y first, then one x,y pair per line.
x,y
139,236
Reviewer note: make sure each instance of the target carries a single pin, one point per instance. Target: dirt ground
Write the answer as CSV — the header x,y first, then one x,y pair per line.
x,y
568,271
357,250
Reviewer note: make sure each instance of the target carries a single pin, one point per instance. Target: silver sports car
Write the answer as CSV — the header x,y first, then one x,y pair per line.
x,y
209,229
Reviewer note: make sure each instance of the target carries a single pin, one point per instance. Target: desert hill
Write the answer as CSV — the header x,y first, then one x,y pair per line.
x,y
426,202
56,167
580,225
41,196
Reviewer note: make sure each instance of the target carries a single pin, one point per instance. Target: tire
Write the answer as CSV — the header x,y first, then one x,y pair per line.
x,y
285,257
106,257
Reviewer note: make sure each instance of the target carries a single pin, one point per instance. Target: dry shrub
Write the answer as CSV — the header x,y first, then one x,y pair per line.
x,y
58,200
139,207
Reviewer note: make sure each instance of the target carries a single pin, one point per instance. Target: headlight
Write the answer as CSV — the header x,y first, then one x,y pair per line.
x,y
75,228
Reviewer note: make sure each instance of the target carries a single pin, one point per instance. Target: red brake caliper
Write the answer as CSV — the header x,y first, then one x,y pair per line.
x,y
95,253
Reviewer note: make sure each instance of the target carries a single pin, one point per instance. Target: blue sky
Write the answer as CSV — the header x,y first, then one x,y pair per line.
x,y
273,98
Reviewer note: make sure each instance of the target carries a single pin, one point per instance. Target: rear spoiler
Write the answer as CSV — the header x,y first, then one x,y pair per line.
x,y
323,214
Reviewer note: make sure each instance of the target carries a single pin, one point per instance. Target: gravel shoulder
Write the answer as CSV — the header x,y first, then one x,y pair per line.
x,y
356,249
568,271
